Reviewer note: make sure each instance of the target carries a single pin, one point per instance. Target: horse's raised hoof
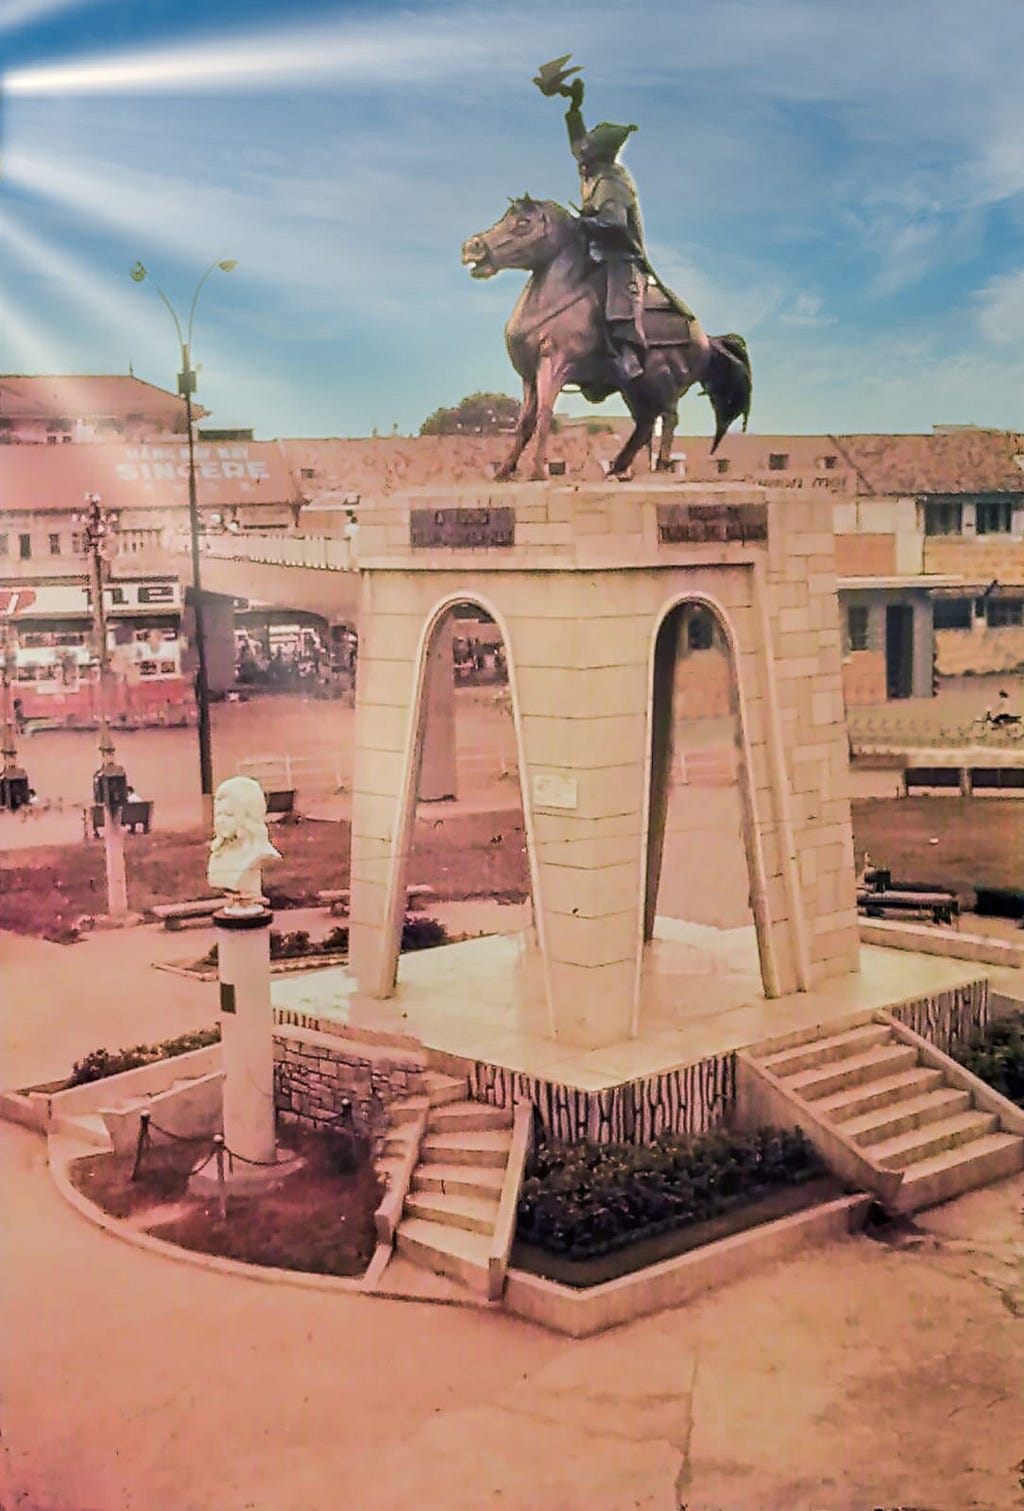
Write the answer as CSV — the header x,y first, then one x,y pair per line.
x,y
625,476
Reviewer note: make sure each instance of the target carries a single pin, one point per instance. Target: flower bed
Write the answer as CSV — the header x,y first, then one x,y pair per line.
x,y
100,1063
417,934
583,1202
996,1055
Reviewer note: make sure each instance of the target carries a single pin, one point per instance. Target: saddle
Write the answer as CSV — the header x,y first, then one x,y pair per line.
x,y
667,320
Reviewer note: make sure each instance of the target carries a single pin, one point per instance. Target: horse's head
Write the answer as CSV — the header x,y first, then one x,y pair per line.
x,y
528,235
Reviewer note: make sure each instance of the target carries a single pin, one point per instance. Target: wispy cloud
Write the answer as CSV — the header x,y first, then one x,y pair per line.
x,y
1001,309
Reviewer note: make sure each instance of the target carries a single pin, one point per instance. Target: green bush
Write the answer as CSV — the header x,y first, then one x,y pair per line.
x,y
100,1063
586,1199
417,934
996,1055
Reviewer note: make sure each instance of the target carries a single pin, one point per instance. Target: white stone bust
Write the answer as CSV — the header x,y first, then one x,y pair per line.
x,y
240,841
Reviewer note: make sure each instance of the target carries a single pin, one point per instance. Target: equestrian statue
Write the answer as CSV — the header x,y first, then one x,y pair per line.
x,y
594,314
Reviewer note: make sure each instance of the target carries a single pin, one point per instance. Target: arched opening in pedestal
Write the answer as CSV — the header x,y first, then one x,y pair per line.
x,y
467,847
700,851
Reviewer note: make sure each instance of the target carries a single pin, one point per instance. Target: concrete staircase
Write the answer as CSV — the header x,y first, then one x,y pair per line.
x,y
889,1111
448,1220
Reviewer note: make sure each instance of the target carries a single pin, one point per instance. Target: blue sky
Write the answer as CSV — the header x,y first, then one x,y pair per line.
x,y
842,183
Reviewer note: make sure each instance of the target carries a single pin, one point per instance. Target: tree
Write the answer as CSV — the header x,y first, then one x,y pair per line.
x,y
477,414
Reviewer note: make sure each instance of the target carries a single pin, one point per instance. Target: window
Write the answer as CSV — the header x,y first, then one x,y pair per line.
x,y
308,473
76,543
722,464
952,613
3,545
54,544
857,627
943,519
829,463
994,518
25,547
778,461
700,630
1005,611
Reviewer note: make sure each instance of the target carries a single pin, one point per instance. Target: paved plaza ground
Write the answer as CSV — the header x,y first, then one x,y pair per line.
x,y
864,1375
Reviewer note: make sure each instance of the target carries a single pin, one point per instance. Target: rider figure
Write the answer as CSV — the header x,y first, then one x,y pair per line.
x,y
610,211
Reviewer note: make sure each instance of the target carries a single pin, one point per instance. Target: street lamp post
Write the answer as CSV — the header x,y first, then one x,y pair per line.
x,y
14,788
110,785
186,388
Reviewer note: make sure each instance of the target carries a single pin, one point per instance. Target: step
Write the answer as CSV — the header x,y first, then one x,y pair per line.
x,y
921,1143
798,1036
405,1109
899,1117
442,1089
454,1252
949,1174
466,1180
484,1147
825,1050
87,1127
472,1117
884,1060
476,1214
854,1100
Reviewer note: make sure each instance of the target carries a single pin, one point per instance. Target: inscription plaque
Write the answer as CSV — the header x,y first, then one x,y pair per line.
x,y
694,524
463,528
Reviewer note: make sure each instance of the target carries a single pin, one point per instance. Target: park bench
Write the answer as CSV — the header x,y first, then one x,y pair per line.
x,y
991,777
135,815
281,804
183,915
336,901
932,776
943,906
1000,902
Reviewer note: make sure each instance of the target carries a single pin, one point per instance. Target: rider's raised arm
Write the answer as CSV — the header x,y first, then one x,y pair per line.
x,y
574,117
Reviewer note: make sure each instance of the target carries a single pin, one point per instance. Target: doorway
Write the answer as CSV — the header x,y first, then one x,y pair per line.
x,y
697,840
899,650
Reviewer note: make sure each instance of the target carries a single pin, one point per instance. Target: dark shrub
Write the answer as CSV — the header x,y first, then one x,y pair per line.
x,y
584,1199
100,1063
996,1055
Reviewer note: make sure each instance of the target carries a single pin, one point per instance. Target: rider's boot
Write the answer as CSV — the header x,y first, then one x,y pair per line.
x,y
628,364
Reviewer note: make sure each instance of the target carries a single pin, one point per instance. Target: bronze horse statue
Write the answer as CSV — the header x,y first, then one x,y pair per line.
x,y
556,337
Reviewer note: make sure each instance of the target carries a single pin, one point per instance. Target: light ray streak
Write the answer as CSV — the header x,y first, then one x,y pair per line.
x,y
72,281
23,346
15,13
359,55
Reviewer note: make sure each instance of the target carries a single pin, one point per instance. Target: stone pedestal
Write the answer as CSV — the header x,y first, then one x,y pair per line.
x,y
247,1025
583,582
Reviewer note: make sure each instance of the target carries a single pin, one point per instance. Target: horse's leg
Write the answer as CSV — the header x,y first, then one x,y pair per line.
x,y
644,416
669,421
550,380
524,430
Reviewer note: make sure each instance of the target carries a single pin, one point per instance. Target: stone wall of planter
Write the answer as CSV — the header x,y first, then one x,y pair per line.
x,y
314,1073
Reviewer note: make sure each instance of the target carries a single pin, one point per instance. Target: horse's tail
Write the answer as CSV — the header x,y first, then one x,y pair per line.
x,y
728,382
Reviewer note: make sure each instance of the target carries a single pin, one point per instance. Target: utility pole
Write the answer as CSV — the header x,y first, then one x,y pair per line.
x,y
186,388
110,785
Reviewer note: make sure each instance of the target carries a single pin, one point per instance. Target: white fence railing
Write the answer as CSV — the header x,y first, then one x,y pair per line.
x,y
329,553
313,776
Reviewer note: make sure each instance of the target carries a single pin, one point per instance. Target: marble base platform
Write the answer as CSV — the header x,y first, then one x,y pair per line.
x,y
701,998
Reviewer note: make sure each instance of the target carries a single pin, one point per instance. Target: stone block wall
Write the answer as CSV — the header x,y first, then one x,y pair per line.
x,y
579,581
314,1072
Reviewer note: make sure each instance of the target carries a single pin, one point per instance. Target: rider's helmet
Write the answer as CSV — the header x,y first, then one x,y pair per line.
x,y
603,143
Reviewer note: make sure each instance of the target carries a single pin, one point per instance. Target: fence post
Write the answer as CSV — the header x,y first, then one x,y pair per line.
x,y
222,1195
140,1143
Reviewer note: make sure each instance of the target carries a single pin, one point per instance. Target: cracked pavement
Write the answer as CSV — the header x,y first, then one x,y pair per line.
x,y
863,1375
